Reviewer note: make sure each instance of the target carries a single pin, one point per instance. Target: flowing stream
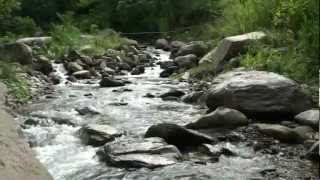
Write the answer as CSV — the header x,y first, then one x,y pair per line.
x,y
60,150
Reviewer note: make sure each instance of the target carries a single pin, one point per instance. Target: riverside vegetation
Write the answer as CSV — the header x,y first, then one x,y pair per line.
x,y
129,81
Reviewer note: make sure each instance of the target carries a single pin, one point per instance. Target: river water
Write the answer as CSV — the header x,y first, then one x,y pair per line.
x,y
60,150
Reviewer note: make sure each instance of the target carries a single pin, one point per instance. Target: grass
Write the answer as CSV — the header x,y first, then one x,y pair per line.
x,y
16,84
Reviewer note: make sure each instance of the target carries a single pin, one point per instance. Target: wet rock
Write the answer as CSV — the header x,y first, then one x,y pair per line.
x,y
303,133
87,111
138,70
136,153
198,48
170,98
31,122
309,118
18,52
55,78
186,62
229,48
177,135
44,65
176,45
122,90
173,93
167,64
220,118
162,44
168,72
279,132
98,135
194,98
82,74
289,124
62,121
259,95
285,134
73,67
88,95
72,79
118,104
149,95
125,67
109,82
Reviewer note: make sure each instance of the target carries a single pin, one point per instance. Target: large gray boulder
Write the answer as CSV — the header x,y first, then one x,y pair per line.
x,y
309,118
177,135
16,52
197,48
194,98
73,67
149,152
44,65
186,62
176,45
98,135
279,132
286,134
162,44
258,94
229,48
220,118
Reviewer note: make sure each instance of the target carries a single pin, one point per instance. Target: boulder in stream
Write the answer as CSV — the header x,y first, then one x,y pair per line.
x,y
98,135
109,82
286,134
220,118
186,62
87,111
258,94
178,135
85,74
138,70
309,118
73,67
199,48
44,65
173,93
162,44
136,153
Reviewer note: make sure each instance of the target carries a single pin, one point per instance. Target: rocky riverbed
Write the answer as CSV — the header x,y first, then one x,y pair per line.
x,y
118,116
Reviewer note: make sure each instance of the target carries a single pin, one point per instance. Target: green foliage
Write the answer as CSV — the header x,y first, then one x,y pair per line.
x,y
17,26
294,26
242,16
7,6
17,85
144,15
67,37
